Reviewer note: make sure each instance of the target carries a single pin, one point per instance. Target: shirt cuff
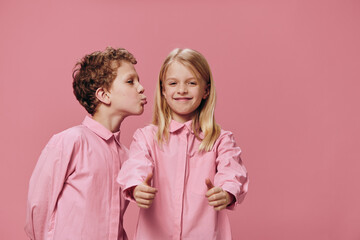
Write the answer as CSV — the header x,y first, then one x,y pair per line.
x,y
233,191
127,191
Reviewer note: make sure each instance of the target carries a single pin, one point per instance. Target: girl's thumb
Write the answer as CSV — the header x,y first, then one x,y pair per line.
x,y
209,183
148,179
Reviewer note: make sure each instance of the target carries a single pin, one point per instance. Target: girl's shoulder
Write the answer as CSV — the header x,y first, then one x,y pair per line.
x,y
147,131
225,136
225,133
146,135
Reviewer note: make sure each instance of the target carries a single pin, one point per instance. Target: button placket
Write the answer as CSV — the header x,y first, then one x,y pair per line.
x,y
115,197
180,181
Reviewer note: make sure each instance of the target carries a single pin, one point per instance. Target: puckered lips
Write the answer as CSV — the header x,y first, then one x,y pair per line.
x,y
143,101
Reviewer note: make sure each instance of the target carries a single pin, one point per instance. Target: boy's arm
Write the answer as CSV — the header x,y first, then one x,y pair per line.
x,y
45,186
231,174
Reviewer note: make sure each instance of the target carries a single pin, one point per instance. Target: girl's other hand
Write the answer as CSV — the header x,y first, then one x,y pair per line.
x,y
144,194
217,197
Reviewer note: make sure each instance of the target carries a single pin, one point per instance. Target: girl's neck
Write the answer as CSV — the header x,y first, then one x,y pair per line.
x,y
182,119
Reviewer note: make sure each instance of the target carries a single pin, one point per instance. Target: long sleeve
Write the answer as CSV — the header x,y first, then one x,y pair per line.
x,y
180,209
45,186
140,163
231,174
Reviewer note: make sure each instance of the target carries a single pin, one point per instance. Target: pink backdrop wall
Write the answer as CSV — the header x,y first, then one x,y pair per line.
x,y
287,75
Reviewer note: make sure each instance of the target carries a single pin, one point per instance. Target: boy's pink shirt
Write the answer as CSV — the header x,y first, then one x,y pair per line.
x,y
180,209
73,193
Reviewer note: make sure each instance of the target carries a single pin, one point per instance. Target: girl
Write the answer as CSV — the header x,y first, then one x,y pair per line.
x,y
183,153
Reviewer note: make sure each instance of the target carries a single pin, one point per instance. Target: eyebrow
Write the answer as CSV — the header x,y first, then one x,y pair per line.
x,y
133,75
173,78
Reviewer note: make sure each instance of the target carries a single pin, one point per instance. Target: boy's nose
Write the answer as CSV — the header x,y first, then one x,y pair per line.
x,y
141,89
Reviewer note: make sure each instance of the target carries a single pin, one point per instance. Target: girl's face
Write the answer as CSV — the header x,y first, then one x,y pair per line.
x,y
183,92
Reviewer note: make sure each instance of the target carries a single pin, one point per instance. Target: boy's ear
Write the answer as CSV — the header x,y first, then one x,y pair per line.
x,y
103,95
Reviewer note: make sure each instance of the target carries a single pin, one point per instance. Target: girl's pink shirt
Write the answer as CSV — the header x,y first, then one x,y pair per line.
x,y
180,209
73,193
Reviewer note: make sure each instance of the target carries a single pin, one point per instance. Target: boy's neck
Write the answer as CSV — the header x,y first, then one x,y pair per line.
x,y
112,123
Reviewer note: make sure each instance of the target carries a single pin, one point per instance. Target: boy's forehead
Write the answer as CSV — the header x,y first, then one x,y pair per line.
x,y
127,69
118,63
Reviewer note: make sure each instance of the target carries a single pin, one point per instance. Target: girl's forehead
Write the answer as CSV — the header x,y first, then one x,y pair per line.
x,y
177,67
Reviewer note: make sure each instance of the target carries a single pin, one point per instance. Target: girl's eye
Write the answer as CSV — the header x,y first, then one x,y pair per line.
x,y
172,83
130,81
192,83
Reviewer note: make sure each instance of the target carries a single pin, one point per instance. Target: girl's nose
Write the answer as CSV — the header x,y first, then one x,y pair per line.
x,y
182,89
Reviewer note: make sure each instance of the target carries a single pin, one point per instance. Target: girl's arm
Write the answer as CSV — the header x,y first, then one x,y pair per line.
x,y
136,173
231,175
217,197
144,194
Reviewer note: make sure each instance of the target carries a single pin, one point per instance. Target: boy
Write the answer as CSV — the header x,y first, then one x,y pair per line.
x,y
73,192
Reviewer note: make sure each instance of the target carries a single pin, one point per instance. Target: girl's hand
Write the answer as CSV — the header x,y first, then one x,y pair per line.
x,y
144,194
217,197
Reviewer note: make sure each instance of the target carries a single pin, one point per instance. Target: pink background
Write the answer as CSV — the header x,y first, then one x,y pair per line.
x,y
287,74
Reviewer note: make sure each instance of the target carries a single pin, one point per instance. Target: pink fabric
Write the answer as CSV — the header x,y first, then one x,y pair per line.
x,y
180,209
73,193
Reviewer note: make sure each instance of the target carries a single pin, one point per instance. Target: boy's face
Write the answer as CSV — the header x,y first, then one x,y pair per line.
x,y
126,93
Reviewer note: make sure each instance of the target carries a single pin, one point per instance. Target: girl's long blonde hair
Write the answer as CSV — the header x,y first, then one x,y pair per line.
x,y
204,119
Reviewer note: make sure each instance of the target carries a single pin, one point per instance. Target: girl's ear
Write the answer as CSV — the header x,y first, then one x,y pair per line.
x,y
162,90
207,91
103,95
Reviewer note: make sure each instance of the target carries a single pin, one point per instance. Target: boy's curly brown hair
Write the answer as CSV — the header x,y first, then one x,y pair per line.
x,y
95,70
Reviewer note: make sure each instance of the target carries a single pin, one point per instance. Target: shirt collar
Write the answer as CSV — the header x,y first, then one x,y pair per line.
x,y
100,130
175,126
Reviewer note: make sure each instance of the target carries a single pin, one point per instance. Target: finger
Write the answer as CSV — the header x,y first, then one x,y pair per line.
x,y
145,188
218,203
143,201
148,179
144,191
143,205
209,183
217,196
212,191
144,195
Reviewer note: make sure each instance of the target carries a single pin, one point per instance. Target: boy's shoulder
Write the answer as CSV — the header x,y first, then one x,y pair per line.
x,y
71,135
74,132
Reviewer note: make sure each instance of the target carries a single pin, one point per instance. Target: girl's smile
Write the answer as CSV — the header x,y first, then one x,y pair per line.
x,y
183,98
183,91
